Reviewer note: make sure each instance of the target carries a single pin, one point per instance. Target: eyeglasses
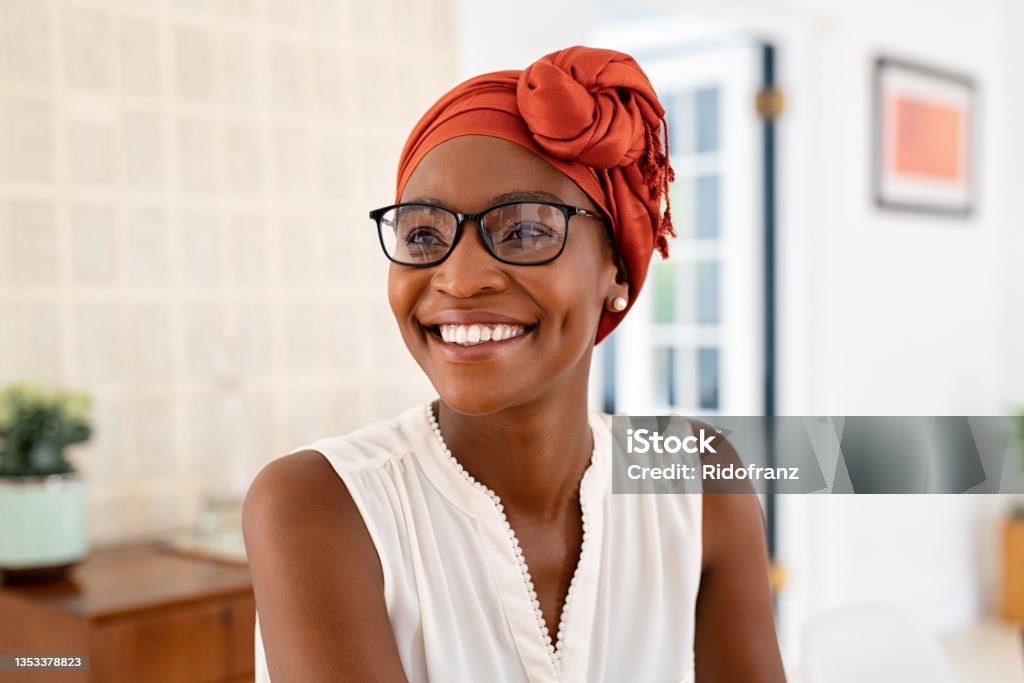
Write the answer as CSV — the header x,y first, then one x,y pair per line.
x,y
519,233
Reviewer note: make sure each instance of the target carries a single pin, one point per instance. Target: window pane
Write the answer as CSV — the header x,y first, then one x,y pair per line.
x,y
707,207
707,381
664,380
681,123
664,291
707,293
707,119
683,212
686,287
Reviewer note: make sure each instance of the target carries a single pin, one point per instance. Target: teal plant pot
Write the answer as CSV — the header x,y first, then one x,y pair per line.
x,y
43,525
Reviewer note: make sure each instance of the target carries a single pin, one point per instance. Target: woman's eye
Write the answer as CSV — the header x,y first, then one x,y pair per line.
x,y
528,231
424,237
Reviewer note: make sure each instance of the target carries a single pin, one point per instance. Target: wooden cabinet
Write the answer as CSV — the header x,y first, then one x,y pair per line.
x,y
141,613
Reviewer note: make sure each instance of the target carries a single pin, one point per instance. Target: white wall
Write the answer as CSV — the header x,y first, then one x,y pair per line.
x,y
908,298
1013,228
492,36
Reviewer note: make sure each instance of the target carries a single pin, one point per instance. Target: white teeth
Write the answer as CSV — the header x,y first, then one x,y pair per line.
x,y
469,335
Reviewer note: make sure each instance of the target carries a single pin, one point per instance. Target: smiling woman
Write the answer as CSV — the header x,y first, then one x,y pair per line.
x,y
476,538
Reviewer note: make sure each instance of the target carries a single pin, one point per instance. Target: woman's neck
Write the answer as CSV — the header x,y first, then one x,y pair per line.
x,y
532,456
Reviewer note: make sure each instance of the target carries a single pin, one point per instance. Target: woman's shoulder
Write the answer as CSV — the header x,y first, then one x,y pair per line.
x,y
334,480
315,569
362,460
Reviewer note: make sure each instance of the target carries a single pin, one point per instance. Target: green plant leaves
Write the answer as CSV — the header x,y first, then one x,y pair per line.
x,y
36,425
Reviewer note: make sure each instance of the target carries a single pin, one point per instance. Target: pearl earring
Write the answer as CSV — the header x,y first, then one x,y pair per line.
x,y
619,304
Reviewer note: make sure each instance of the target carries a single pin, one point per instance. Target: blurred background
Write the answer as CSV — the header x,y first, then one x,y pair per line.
x,y
183,236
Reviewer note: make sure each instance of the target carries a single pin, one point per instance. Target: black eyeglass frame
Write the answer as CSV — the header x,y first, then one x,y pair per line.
x,y
568,211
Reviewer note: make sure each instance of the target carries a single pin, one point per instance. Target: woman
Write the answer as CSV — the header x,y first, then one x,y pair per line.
x,y
476,538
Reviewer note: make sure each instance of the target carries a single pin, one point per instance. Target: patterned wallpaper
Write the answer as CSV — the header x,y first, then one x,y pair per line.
x,y
183,232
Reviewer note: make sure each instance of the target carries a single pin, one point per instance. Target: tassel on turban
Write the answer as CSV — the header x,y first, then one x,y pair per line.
x,y
593,115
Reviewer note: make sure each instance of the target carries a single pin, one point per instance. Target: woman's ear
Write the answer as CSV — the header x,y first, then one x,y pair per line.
x,y
620,270
612,254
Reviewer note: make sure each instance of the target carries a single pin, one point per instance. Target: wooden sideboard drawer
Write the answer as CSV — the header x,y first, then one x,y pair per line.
x,y
196,644
141,614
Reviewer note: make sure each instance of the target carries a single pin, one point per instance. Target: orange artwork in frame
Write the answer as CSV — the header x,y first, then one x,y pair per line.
x,y
923,146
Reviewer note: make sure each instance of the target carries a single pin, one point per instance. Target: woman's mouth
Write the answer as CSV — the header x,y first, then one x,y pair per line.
x,y
478,333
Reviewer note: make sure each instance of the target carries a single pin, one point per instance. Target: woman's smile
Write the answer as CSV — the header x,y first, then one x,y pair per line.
x,y
469,328
477,342
471,335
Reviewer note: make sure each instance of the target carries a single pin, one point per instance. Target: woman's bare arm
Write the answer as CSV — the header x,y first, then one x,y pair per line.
x,y
735,631
316,576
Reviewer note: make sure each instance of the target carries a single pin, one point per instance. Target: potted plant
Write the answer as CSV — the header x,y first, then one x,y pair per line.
x,y
43,528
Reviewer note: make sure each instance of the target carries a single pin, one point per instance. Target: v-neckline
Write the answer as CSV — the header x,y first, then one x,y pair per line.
x,y
544,659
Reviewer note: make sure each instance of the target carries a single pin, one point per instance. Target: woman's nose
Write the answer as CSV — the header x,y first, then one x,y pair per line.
x,y
469,269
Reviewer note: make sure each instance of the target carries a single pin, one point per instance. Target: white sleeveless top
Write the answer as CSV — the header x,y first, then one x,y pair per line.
x,y
458,595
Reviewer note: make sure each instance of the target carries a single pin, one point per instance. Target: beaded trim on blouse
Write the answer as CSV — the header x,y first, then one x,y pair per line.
x,y
554,648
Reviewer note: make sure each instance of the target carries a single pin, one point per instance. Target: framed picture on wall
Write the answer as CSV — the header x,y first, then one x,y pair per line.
x,y
924,121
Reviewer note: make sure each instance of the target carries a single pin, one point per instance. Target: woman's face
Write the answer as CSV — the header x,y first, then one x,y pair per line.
x,y
557,305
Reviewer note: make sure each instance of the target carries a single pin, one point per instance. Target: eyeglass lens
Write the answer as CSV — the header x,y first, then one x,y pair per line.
x,y
519,233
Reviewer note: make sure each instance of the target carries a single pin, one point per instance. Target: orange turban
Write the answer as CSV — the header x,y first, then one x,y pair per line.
x,y
590,113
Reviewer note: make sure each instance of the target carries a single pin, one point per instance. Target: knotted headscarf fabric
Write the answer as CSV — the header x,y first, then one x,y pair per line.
x,y
593,115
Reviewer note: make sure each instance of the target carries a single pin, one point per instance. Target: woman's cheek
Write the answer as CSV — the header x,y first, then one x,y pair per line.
x,y
401,294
